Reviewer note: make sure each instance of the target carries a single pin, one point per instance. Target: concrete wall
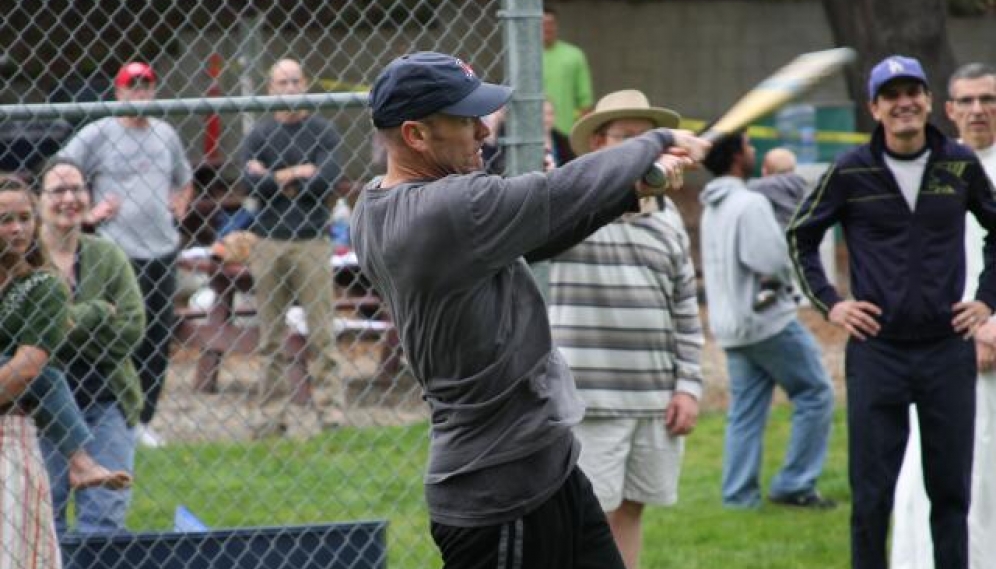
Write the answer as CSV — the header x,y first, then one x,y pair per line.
x,y
698,57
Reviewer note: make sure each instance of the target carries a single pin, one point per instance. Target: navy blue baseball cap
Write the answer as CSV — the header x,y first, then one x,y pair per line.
x,y
417,85
894,67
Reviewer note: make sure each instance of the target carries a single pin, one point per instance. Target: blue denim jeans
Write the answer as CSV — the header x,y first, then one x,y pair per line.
x,y
113,445
54,411
790,360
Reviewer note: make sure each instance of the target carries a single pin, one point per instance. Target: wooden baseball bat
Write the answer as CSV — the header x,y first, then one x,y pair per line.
x,y
784,85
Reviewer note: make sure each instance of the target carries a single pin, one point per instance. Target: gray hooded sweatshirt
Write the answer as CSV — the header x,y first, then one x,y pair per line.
x,y
784,191
740,241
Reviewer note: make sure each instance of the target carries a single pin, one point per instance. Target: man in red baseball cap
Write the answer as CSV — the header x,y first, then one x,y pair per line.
x,y
134,73
135,81
141,183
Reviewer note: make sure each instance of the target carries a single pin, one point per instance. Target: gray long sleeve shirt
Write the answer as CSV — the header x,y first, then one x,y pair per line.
x,y
784,191
449,257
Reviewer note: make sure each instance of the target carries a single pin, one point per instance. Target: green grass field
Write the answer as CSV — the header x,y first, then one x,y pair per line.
x,y
376,473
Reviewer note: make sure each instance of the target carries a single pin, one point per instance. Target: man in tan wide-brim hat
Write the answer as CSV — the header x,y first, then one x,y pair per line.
x,y
624,313
627,105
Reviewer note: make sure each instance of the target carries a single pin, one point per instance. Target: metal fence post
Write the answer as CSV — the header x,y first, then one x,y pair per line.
x,y
250,46
524,68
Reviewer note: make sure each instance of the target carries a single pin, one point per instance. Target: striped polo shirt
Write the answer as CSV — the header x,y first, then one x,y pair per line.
x,y
624,314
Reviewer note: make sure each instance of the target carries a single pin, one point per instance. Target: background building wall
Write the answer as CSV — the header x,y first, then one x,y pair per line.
x,y
698,57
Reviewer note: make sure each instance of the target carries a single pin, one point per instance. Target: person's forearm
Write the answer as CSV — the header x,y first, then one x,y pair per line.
x,y
84,317
16,374
591,191
327,173
986,289
284,176
688,337
180,201
262,185
582,228
814,217
813,281
12,384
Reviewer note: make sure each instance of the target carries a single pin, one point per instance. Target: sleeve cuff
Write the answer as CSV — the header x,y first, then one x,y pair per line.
x,y
90,315
827,302
988,301
691,387
664,137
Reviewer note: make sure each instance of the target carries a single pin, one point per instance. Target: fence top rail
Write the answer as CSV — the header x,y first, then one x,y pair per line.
x,y
185,106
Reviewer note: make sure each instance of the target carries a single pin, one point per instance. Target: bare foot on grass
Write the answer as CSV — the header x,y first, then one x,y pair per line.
x,y
85,472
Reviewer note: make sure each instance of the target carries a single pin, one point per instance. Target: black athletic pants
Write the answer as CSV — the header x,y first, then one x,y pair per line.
x,y
568,531
883,378
157,279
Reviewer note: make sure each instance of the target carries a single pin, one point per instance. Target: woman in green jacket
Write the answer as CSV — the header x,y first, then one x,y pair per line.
x,y
106,320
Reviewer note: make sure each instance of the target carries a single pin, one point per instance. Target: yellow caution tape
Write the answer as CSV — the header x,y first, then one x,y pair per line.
x,y
769,133
336,86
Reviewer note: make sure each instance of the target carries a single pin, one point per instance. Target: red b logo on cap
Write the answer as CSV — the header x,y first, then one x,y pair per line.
x,y
467,70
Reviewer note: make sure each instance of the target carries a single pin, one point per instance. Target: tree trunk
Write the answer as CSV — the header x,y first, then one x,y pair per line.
x,y
879,28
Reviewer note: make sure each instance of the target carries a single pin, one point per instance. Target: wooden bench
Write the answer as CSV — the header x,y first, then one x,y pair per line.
x,y
216,330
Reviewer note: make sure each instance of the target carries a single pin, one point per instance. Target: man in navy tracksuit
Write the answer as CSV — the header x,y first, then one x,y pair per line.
x,y
901,200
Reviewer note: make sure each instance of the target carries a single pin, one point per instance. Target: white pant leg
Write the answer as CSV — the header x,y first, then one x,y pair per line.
x,y
982,516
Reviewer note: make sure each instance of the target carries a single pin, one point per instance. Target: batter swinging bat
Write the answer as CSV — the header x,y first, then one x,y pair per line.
x,y
788,83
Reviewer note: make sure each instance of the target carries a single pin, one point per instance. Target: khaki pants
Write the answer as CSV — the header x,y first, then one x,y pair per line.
x,y
285,273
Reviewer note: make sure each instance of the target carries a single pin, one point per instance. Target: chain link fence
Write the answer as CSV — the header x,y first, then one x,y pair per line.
x,y
265,447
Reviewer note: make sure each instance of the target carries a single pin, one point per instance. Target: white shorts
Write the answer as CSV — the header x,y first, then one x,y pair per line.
x,y
632,459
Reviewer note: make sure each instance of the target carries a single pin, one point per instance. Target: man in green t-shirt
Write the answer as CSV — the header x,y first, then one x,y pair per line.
x,y
566,77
